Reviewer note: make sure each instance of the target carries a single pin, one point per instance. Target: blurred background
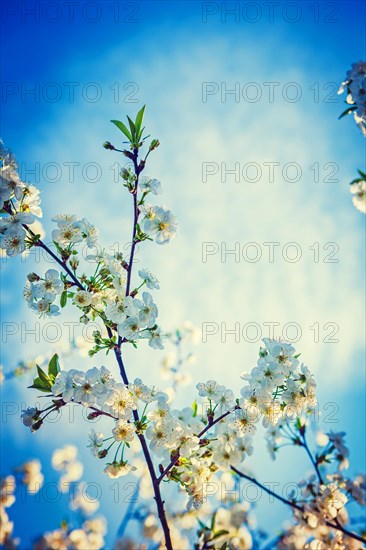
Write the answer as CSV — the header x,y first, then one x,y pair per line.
x,y
243,97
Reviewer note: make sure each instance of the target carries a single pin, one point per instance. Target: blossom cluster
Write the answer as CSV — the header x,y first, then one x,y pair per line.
x,y
326,502
7,499
86,532
105,296
106,293
208,440
71,231
355,85
65,461
224,525
159,222
41,292
89,535
98,390
31,475
20,204
279,389
32,478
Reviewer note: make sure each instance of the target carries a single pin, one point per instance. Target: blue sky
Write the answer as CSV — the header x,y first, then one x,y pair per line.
x,y
163,59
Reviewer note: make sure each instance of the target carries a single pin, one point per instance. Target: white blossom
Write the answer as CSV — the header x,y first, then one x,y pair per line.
x,y
118,469
147,310
211,390
83,298
130,328
150,279
150,185
124,431
120,402
358,190
159,221
95,442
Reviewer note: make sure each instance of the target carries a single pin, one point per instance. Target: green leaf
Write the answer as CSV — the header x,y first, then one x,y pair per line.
x,y
138,122
123,129
213,519
298,424
202,525
132,127
347,111
194,408
54,366
43,376
357,180
362,174
63,298
38,384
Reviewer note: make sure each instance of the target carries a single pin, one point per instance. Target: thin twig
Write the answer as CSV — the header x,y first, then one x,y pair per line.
x,y
313,461
294,505
205,429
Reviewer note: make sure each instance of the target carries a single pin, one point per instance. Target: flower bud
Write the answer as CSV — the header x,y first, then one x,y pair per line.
x,y
33,277
93,415
84,319
154,144
74,262
124,173
97,337
103,453
36,425
108,145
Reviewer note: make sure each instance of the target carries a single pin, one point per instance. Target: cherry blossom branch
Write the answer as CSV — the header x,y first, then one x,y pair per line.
x,y
102,413
63,264
136,213
157,495
294,505
314,463
118,355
